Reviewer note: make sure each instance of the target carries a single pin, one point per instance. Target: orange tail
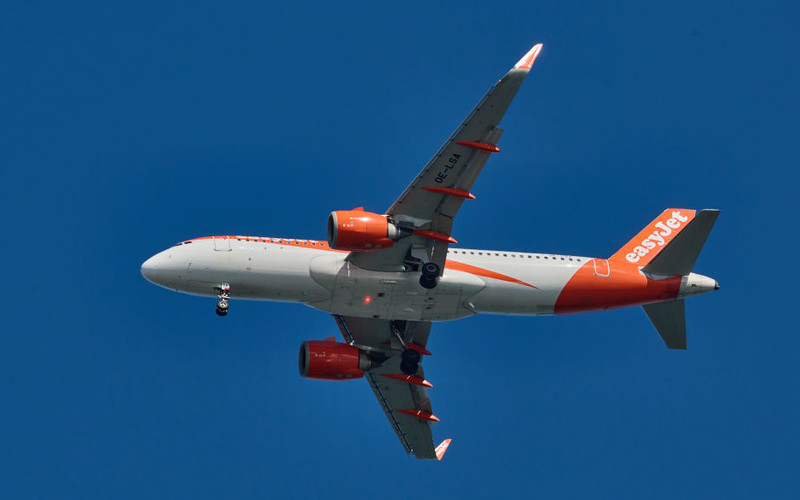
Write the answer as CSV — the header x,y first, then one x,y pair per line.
x,y
652,239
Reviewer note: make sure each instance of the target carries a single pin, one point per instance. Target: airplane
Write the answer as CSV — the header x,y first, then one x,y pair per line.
x,y
385,278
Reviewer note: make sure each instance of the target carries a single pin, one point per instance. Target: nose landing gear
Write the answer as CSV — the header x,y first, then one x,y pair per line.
x,y
224,294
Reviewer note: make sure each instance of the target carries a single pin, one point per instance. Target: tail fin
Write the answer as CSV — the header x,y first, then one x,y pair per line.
x,y
679,256
670,244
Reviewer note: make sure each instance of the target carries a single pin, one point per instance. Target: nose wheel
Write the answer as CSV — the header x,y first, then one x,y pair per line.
x,y
430,275
224,294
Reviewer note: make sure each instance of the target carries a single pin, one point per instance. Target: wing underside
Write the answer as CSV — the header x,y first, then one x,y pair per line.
x,y
432,200
403,399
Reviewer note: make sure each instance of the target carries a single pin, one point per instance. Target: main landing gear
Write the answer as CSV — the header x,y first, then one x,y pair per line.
x,y
410,363
224,294
430,275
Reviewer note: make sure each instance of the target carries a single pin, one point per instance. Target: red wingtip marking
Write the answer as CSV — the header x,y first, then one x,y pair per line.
x,y
527,60
422,415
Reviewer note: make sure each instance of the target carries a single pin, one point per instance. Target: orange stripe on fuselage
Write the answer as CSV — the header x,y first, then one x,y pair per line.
x,y
479,271
624,286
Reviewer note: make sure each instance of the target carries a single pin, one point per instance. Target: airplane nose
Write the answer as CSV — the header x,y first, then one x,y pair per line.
x,y
164,269
150,269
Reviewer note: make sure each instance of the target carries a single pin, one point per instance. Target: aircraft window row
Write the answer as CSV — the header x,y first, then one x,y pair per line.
x,y
282,241
514,255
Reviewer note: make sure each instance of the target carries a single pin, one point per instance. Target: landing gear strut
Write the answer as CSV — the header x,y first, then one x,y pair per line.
x,y
409,361
430,275
224,293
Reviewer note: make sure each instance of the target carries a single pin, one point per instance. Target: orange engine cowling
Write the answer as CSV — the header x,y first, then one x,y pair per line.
x,y
360,231
331,360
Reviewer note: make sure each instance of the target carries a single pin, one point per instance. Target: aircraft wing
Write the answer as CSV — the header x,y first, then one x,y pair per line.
x,y
404,399
432,200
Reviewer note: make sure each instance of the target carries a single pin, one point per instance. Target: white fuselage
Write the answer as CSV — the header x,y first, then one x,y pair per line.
x,y
310,272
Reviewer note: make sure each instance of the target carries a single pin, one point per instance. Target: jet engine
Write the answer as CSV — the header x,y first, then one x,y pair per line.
x,y
331,360
360,231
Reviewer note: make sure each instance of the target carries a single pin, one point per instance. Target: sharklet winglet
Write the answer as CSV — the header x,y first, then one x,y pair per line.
x,y
527,60
442,448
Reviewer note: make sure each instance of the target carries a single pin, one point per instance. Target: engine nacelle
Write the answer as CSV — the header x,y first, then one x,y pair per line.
x,y
331,360
360,231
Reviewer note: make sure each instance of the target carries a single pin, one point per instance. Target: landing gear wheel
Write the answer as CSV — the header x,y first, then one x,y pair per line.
x,y
410,363
224,293
430,269
409,368
412,356
430,275
429,283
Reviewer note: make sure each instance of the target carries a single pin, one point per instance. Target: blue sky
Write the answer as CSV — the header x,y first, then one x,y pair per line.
x,y
127,128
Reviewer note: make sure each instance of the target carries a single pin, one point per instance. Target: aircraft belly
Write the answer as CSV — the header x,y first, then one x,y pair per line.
x,y
391,295
329,282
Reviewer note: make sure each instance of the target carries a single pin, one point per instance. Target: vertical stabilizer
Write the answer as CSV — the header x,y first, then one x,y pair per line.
x,y
669,318
680,254
655,238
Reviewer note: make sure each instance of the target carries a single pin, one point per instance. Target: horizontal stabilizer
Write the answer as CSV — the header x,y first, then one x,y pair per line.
x,y
669,318
679,255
